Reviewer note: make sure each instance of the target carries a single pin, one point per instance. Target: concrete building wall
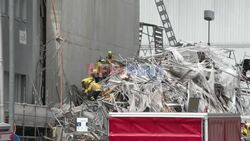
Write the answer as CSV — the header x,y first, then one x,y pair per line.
x,y
231,24
26,54
89,28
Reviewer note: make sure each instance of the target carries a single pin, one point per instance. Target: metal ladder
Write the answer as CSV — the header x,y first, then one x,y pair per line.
x,y
158,39
140,33
166,22
140,37
154,36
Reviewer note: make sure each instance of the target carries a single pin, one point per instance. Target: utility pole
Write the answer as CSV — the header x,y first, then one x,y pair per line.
x,y
11,64
208,16
1,72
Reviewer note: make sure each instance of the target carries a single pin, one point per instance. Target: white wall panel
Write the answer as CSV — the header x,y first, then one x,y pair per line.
x,y
231,24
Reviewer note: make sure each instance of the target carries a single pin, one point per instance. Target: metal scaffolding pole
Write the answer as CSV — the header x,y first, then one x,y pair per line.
x,y
1,74
11,64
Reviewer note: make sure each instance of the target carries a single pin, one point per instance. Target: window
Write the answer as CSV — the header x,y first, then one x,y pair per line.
x,y
4,7
17,8
20,93
20,87
21,9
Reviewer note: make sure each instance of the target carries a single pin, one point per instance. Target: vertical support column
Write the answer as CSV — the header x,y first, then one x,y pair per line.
x,y
61,73
44,50
206,128
35,123
11,64
24,119
208,42
35,47
46,122
1,73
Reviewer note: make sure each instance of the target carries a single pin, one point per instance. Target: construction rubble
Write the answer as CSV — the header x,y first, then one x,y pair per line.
x,y
186,79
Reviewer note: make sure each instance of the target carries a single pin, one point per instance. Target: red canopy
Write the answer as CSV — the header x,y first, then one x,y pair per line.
x,y
155,129
224,129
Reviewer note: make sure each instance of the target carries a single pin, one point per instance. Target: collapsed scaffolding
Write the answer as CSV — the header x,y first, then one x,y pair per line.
x,y
187,79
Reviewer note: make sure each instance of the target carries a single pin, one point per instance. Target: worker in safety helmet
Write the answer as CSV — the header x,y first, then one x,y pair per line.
x,y
91,88
98,71
246,130
107,67
109,57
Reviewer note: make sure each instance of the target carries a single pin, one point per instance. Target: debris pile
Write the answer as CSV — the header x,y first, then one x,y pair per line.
x,y
187,79
66,115
190,79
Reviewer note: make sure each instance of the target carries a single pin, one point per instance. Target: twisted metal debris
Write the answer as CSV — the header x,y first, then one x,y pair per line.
x,y
189,79
186,74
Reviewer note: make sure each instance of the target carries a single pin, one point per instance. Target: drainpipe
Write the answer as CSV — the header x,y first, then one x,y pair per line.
x,y
11,64
1,73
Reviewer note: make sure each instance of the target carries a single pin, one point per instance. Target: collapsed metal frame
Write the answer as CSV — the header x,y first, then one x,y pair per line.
x,y
161,8
33,117
154,36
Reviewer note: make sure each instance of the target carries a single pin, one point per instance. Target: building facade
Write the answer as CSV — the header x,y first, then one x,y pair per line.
x,y
31,114
85,31
228,30
187,18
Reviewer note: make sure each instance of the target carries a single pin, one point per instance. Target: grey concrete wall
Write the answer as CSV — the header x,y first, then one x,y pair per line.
x,y
90,28
26,55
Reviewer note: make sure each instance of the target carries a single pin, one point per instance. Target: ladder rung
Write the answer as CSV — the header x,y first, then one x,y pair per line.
x,y
158,42
158,30
165,21
169,29
172,38
158,34
159,3
157,46
163,12
158,37
157,50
